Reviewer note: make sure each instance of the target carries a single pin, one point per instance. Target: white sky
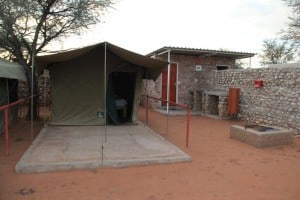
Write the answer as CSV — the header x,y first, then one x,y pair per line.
x,y
143,26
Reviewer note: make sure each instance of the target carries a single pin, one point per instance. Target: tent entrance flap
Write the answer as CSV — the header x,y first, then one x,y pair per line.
x,y
120,96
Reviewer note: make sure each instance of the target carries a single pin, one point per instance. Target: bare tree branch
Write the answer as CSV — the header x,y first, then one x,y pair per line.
x,y
277,52
28,26
292,32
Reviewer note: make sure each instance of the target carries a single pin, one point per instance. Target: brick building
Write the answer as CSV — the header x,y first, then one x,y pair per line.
x,y
189,70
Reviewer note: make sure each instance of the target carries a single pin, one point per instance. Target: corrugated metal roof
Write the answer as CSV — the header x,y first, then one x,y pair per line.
x,y
199,52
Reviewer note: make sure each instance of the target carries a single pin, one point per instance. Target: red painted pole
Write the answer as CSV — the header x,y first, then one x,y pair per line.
x,y
6,124
188,112
187,127
6,120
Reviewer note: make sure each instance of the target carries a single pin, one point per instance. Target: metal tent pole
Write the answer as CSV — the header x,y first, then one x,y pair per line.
x,y
103,136
168,91
146,100
105,93
32,83
168,80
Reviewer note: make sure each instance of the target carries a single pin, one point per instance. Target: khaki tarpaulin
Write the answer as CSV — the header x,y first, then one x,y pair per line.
x,y
9,72
77,83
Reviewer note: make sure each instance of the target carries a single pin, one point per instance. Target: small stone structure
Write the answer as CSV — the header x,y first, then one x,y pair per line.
x,y
188,79
215,103
257,138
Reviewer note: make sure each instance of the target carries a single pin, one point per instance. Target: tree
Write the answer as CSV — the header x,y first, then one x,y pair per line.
x,y
28,26
292,33
276,52
240,64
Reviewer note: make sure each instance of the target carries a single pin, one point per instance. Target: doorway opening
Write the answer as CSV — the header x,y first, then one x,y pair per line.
x,y
120,97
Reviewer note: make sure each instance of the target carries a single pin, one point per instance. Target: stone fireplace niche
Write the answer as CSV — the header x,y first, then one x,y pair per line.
x,y
215,103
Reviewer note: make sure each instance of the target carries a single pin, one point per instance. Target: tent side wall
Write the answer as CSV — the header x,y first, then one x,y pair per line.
x,y
78,87
9,74
77,83
77,90
5,99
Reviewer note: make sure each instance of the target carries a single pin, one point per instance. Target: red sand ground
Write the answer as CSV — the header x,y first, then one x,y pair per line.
x,y
222,168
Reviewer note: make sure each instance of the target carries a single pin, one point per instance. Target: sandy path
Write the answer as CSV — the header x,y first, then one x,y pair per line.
x,y
222,168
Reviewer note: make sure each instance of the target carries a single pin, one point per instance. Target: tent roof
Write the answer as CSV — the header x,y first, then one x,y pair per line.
x,y
11,70
152,66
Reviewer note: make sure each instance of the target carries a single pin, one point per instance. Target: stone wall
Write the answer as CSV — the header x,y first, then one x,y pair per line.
x,y
43,89
189,81
151,88
277,103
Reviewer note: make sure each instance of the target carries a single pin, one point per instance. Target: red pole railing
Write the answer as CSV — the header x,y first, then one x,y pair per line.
x,y
187,134
6,120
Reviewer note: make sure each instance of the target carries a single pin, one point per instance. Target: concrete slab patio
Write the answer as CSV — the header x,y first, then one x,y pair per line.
x,y
80,147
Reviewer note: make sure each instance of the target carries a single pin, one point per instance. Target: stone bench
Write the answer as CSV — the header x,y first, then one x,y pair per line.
x,y
271,137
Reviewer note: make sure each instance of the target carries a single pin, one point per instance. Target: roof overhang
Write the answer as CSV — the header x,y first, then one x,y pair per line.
x,y
202,52
153,67
11,70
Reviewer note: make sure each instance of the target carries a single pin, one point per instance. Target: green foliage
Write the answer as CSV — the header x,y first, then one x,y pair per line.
x,y
240,64
27,26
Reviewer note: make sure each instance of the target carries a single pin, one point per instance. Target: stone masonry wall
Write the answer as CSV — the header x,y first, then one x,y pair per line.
x,y
277,103
43,89
151,88
189,80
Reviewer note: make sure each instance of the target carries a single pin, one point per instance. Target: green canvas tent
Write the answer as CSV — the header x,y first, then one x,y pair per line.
x,y
88,82
10,73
